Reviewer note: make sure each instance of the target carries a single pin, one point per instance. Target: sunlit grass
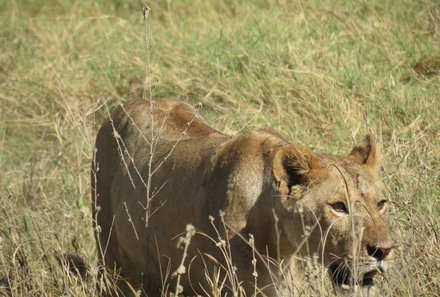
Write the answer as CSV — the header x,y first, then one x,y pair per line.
x,y
322,73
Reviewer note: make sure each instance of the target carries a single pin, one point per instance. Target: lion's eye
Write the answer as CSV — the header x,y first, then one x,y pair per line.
x,y
340,207
381,204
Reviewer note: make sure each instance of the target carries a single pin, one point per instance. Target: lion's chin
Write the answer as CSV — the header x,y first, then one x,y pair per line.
x,y
345,285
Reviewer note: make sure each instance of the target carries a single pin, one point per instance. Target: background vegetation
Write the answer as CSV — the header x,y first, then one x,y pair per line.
x,y
322,73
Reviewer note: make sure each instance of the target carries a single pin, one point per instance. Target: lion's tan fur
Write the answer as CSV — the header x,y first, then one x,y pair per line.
x,y
250,177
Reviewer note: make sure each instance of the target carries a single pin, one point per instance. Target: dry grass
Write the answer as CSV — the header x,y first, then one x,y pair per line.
x,y
323,73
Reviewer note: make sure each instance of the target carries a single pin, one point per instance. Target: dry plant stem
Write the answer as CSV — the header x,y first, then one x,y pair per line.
x,y
122,150
163,277
1,148
141,132
190,231
152,145
309,230
224,247
130,220
356,242
146,13
254,263
305,230
230,269
277,233
97,228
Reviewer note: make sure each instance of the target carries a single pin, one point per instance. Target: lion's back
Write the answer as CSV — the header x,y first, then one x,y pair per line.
x,y
169,119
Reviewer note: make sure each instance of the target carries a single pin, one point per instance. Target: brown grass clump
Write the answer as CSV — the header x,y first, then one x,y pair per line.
x,y
428,66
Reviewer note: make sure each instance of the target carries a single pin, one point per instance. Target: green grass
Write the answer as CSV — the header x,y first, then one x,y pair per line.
x,y
323,73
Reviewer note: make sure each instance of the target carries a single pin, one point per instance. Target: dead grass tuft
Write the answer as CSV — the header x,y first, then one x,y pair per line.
x,y
428,66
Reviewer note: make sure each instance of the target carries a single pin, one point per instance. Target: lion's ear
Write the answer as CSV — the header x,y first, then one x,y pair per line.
x,y
368,154
294,165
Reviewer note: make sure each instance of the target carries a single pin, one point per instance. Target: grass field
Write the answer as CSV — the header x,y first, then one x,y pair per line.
x,y
323,73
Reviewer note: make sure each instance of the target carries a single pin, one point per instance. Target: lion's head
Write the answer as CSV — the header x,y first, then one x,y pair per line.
x,y
338,203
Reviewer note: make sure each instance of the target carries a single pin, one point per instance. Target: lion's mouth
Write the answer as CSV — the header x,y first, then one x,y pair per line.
x,y
343,279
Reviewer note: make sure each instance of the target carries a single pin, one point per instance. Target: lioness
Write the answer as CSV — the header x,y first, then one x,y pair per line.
x,y
160,167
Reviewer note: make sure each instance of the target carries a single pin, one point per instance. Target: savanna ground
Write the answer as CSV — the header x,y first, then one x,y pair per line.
x,y
323,73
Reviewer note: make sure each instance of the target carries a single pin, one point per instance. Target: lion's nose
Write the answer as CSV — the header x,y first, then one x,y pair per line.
x,y
380,251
